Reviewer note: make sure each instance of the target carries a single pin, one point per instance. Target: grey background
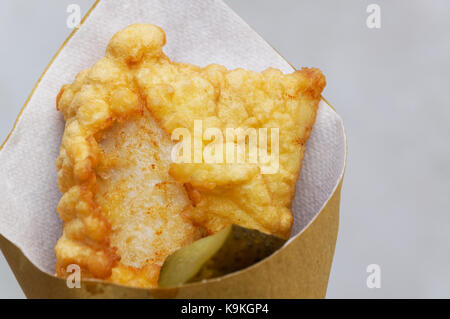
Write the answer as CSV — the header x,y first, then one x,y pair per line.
x,y
390,85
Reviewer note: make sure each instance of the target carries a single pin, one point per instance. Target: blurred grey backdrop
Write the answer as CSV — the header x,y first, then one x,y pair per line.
x,y
390,85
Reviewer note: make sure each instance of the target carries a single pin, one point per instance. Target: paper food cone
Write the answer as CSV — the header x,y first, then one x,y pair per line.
x,y
199,32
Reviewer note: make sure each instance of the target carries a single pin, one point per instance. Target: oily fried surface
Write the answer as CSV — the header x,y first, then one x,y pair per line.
x,y
141,201
125,206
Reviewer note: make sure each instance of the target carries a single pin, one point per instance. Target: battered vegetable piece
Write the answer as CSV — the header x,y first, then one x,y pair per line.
x,y
125,206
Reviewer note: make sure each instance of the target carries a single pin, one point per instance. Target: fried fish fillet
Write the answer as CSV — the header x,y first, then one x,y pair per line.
x,y
125,205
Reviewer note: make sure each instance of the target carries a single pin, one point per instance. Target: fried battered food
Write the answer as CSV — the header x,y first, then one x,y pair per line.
x,y
125,206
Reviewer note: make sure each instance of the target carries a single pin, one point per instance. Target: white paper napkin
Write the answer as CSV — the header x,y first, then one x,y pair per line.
x,y
198,32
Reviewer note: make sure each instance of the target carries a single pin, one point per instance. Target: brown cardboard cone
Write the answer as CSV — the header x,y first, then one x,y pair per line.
x,y
307,258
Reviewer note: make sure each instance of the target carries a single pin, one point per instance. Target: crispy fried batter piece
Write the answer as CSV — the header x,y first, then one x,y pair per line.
x,y
125,206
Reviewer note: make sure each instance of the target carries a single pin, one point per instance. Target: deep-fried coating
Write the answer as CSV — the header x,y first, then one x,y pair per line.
x,y
125,206
139,198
